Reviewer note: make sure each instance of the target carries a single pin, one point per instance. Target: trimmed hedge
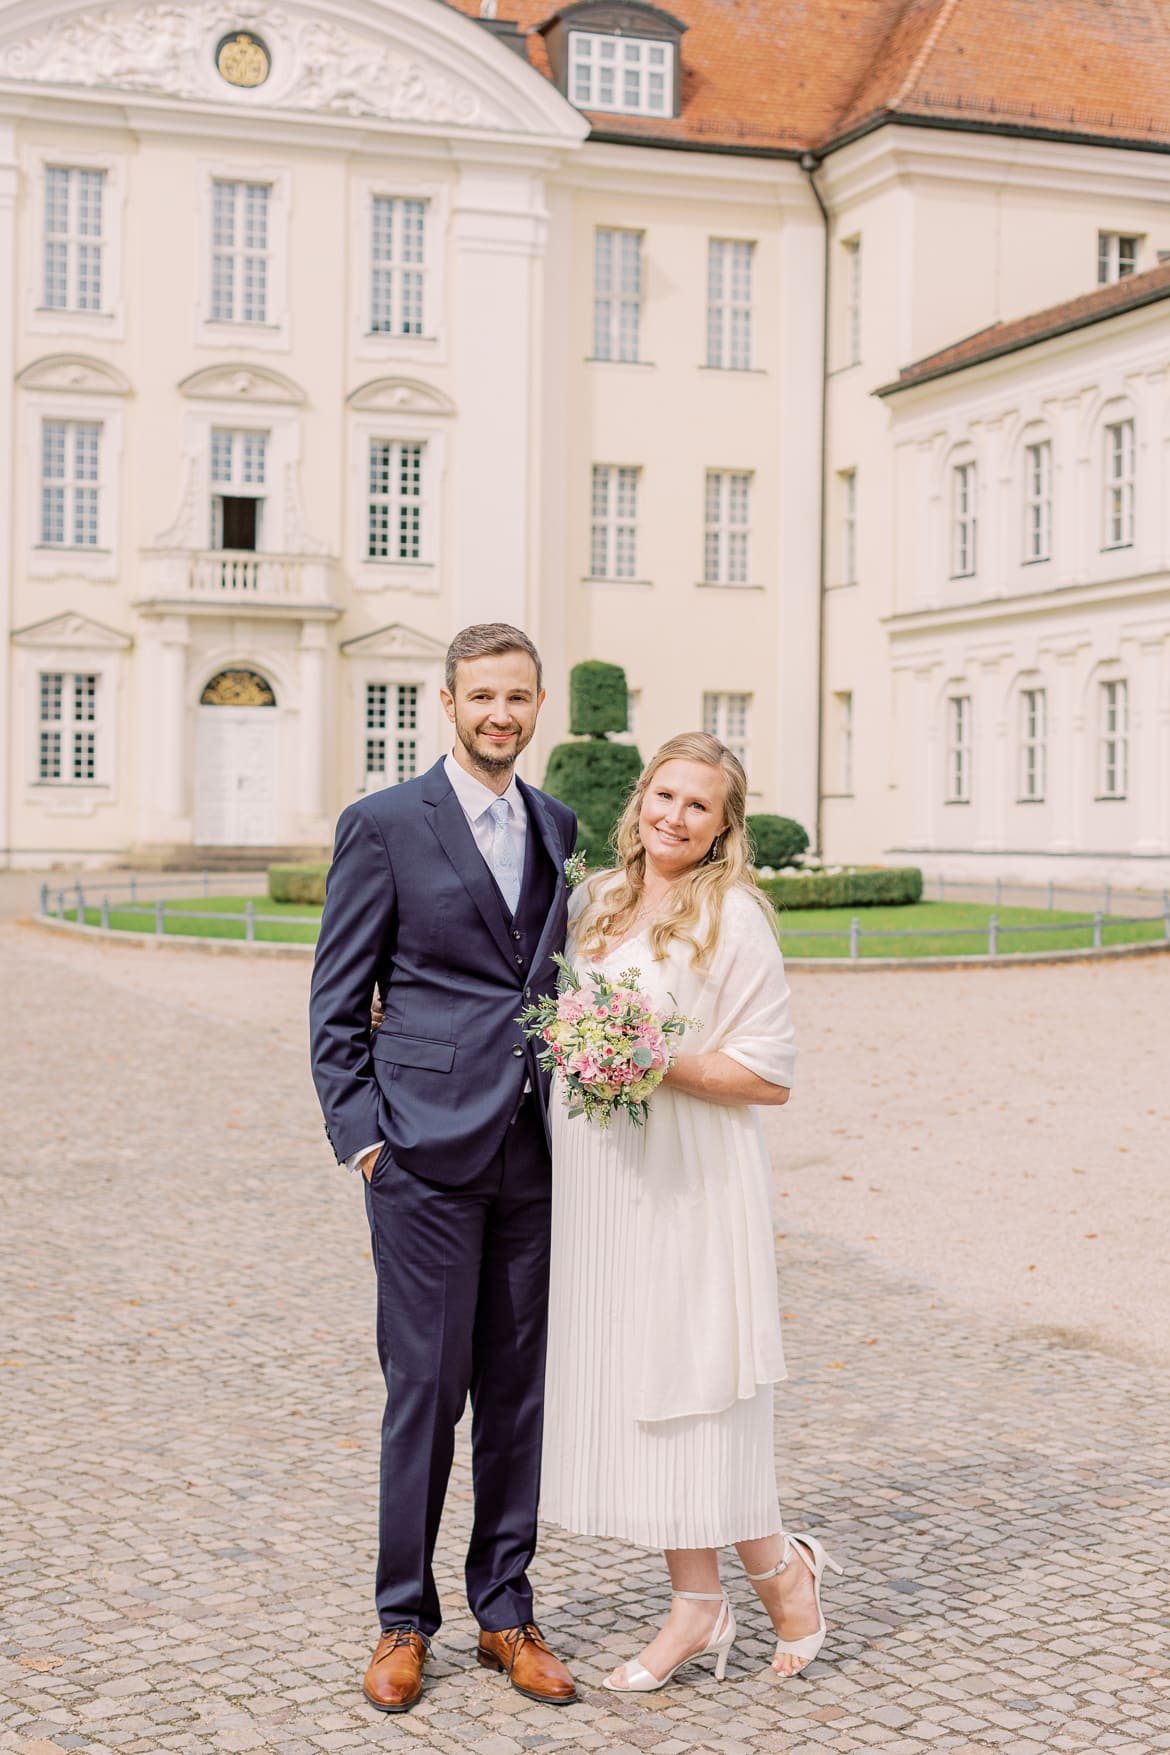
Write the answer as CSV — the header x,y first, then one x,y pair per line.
x,y
599,700
594,779
777,840
865,886
297,883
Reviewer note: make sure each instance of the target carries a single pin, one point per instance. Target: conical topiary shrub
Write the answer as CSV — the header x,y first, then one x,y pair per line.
x,y
594,778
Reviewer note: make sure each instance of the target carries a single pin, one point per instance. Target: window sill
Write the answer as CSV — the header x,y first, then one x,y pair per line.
x,y
725,585
838,795
1110,798
1036,561
950,801
637,584
737,371
593,359
1040,799
843,585
420,576
48,561
1112,548
953,577
73,787
267,337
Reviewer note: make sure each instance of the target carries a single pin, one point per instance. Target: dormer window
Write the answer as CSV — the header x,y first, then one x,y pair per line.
x,y
620,56
631,75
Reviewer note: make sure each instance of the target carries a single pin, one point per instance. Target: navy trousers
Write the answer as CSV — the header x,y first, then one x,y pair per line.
x,y
462,1309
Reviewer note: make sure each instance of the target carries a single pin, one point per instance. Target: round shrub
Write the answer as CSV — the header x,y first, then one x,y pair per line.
x,y
777,840
598,699
594,779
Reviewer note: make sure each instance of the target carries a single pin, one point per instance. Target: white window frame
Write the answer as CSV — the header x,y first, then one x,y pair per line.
x,y
397,267
1033,774
1113,737
843,728
97,561
617,310
727,715
959,747
385,344
730,315
1120,478
70,466
71,726
394,737
1037,501
613,522
74,242
1113,262
727,527
964,518
275,332
109,321
424,673
399,461
72,651
851,334
424,574
594,52
848,481
248,443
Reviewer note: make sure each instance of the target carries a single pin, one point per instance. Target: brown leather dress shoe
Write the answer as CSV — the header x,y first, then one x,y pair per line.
x,y
394,1679
531,1667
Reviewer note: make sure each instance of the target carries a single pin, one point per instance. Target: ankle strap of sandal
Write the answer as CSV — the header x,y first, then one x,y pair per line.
x,y
785,1563
702,1596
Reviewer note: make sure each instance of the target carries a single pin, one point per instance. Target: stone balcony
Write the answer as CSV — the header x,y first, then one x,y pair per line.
x,y
237,581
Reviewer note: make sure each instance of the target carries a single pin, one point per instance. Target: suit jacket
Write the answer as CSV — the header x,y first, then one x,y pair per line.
x,y
411,905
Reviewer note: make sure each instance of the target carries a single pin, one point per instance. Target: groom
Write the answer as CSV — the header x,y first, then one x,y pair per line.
x,y
448,893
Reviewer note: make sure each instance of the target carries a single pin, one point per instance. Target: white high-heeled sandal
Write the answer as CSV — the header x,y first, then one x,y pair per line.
x,y
639,1680
807,1648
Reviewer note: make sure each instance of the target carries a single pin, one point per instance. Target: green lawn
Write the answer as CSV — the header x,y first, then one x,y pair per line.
x,y
949,928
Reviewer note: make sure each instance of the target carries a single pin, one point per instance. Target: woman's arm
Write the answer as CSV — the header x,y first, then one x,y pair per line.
x,y
719,1079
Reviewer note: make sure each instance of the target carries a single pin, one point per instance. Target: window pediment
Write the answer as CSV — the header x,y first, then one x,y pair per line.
x,y
400,396
241,384
74,373
396,640
72,631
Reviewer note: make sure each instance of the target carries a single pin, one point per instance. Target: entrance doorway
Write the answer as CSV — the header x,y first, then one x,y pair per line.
x,y
236,751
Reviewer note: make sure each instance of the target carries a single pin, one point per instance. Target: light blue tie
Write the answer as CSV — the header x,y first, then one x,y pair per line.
x,y
503,854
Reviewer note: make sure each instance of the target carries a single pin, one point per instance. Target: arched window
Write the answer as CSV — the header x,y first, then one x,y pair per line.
x,y
238,688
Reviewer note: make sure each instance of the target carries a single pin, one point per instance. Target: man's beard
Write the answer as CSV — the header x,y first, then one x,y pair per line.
x,y
486,760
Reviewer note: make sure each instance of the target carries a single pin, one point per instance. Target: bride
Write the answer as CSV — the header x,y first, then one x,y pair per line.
x,y
664,1331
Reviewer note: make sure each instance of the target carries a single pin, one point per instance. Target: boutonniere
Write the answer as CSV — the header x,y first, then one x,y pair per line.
x,y
575,869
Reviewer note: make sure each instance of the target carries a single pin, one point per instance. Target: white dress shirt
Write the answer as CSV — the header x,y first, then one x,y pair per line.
x,y
476,800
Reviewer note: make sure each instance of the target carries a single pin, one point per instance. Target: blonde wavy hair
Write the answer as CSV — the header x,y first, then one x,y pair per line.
x,y
698,897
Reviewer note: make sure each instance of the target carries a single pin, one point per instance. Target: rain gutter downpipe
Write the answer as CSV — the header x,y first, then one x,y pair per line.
x,y
810,164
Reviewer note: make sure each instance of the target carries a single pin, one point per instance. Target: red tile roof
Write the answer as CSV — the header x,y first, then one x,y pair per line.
x,y
794,75
1129,294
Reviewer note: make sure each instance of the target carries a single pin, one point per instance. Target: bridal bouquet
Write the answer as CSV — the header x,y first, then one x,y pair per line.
x,y
606,1040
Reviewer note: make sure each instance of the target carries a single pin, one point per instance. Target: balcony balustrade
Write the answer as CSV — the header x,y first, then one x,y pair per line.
x,y
237,579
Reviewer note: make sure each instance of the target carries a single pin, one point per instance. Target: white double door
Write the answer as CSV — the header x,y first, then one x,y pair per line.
x,y
236,752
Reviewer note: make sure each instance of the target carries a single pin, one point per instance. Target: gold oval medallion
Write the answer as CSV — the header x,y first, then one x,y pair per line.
x,y
242,59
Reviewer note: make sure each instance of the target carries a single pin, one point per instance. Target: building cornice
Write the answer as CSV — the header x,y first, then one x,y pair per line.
x,y
1134,592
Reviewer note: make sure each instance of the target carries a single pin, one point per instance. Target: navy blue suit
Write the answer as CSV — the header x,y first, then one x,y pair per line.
x,y
459,1199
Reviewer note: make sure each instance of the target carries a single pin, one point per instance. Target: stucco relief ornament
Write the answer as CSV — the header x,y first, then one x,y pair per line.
x,y
172,50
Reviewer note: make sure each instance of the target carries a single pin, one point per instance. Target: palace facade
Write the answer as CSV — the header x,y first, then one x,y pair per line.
x,y
812,362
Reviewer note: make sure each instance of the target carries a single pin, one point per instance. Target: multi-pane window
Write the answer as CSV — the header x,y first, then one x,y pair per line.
x,y
394,517
1033,744
613,542
848,480
67,726
239,251
726,528
617,294
959,749
633,75
73,239
843,708
1117,256
1038,501
1119,484
729,303
963,520
852,249
239,466
398,239
70,483
728,717
391,733
1113,741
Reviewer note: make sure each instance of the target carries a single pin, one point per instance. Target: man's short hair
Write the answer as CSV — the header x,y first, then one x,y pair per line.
x,y
489,640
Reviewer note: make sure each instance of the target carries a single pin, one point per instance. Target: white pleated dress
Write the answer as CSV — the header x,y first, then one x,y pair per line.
x,y
664,1330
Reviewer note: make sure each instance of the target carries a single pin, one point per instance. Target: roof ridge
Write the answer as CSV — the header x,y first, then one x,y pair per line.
x,y
946,13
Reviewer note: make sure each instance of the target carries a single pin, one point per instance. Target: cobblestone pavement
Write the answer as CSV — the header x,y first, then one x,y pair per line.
x,y
189,1435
